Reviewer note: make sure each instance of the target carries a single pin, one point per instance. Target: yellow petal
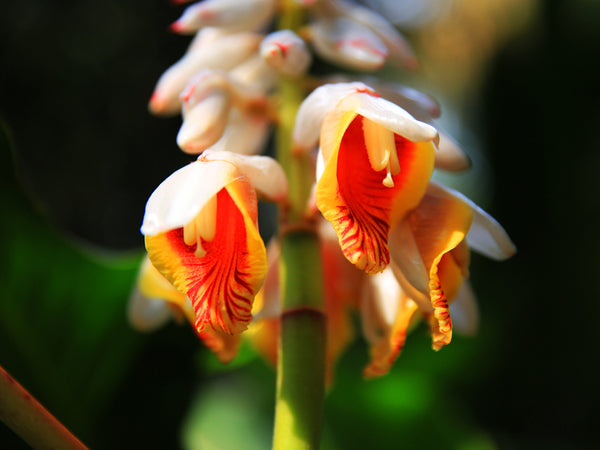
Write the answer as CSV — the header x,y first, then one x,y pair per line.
x,y
440,225
222,283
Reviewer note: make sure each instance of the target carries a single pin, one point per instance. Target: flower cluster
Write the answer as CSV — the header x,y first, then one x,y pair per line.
x,y
395,246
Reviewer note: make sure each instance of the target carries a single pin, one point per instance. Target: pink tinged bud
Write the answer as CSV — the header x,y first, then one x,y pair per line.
x,y
400,52
203,125
232,15
223,53
348,43
287,52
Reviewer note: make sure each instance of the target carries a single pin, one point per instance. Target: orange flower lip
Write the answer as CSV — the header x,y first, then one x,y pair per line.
x,y
363,190
202,235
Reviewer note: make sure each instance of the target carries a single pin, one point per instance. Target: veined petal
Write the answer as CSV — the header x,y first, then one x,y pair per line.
x,y
222,282
265,174
356,199
232,15
224,346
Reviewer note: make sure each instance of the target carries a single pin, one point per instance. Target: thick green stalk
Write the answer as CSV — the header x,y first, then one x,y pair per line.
x,y
30,420
301,362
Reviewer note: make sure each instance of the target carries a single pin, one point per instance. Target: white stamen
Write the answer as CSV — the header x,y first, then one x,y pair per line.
x,y
202,227
381,149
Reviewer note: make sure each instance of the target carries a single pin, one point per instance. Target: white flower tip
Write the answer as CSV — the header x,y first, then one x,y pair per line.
x,y
160,105
285,51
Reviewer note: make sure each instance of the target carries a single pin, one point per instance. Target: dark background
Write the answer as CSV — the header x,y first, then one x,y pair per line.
x,y
80,155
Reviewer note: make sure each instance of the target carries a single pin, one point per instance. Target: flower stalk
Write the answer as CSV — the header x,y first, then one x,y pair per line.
x,y
301,361
30,420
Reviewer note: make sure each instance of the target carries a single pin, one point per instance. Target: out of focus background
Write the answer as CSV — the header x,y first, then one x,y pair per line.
x,y
80,154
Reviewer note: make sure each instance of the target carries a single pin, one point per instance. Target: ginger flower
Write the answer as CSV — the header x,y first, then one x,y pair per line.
x,y
429,271
377,160
202,234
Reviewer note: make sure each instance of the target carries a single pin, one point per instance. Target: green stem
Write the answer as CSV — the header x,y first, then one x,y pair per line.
x,y
301,362
30,420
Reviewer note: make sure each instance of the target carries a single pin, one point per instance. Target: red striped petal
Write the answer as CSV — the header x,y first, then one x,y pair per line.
x,y
351,195
221,284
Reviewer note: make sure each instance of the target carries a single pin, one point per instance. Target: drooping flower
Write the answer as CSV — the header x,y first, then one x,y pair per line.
x,y
377,161
429,273
201,234
349,34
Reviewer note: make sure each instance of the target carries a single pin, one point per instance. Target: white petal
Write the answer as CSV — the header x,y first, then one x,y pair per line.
x,y
389,115
178,199
314,108
264,173
486,235
245,134
241,89
285,51
233,15
386,295
254,76
407,258
464,311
